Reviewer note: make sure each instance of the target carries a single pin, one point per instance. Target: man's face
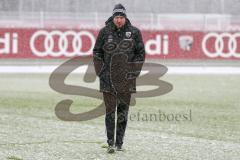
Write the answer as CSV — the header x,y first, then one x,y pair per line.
x,y
119,21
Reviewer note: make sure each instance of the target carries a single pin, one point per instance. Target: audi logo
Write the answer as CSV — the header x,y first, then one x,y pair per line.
x,y
63,43
232,45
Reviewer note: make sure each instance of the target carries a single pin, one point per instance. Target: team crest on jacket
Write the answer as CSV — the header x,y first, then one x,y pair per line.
x,y
128,34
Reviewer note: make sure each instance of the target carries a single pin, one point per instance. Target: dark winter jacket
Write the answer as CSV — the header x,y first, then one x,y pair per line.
x,y
111,41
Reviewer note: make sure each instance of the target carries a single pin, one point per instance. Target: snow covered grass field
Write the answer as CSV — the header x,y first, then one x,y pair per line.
x,y
210,104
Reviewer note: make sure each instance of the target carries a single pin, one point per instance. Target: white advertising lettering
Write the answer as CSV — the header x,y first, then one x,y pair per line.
x,y
9,43
158,45
232,45
62,44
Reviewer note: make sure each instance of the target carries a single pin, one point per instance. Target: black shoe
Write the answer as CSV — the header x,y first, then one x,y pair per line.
x,y
119,148
110,149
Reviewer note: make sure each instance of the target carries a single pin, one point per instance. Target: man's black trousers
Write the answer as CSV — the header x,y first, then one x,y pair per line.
x,y
120,101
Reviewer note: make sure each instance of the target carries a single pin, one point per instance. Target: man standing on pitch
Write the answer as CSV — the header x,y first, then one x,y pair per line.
x,y
118,57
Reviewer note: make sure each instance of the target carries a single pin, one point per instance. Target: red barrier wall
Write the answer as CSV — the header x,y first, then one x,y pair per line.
x,y
50,43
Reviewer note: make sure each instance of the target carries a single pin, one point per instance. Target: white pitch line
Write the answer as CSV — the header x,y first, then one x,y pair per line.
x,y
171,69
203,70
35,69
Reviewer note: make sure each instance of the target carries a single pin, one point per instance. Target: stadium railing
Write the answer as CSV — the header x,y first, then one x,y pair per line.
x,y
148,21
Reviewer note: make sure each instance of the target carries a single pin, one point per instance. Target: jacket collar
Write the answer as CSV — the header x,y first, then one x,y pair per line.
x,y
110,23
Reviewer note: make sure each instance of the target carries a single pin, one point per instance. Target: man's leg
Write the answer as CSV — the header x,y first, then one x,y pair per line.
x,y
122,117
110,103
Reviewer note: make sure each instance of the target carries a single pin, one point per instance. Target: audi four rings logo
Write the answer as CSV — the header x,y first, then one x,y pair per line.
x,y
62,44
232,45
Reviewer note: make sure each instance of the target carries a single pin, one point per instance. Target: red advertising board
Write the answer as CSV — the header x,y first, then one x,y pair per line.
x,y
60,43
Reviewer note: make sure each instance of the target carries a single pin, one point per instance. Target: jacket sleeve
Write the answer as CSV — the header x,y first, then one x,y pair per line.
x,y
139,57
98,54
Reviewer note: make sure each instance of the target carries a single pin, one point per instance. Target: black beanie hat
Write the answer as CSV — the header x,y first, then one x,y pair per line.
x,y
119,10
